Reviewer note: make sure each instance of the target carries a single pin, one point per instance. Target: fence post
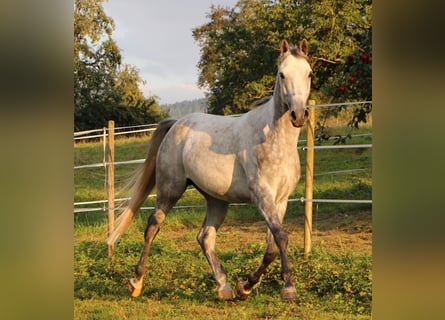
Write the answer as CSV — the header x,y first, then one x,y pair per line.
x,y
309,187
110,180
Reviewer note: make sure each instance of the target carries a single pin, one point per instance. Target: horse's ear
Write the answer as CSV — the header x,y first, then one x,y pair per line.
x,y
284,47
304,46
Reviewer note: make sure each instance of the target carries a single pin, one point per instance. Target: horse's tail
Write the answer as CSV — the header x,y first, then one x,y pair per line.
x,y
144,184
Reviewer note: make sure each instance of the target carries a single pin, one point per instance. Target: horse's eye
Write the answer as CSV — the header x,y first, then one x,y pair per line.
x,y
281,75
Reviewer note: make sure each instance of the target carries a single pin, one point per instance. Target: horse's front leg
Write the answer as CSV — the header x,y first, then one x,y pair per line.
x,y
277,240
244,288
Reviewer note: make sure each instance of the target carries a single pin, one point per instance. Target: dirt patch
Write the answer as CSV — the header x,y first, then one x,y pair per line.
x,y
343,231
338,232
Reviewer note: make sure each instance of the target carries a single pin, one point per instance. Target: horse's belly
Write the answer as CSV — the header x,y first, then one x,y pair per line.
x,y
218,175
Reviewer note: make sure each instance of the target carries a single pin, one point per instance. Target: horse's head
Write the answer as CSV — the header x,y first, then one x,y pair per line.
x,y
294,81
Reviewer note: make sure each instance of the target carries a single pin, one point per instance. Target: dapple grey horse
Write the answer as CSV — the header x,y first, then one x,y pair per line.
x,y
252,158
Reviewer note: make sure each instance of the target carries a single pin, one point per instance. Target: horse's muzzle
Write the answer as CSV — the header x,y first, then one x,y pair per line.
x,y
299,119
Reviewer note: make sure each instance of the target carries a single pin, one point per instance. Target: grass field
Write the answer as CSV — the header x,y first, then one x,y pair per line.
x,y
334,282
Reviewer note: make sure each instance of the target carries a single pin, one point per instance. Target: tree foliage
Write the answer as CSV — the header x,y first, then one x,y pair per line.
x,y
104,87
239,49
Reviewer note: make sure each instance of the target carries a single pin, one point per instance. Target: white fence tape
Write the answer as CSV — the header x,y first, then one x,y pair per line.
x,y
346,104
104,133
104,164
344,201
342,146
334,200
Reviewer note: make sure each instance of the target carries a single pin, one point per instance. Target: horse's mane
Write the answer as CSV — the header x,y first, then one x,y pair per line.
x,y
296,52
261,101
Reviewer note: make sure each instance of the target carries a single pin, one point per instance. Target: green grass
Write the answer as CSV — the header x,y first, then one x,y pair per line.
x,y
331,284
334,282
179,282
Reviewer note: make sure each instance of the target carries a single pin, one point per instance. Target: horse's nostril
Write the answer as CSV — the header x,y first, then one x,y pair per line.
x,y
293,115
306,113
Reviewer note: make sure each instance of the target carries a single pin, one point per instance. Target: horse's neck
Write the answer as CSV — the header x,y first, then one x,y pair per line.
x,y
273,120
276,124
285,131
276,101
281,120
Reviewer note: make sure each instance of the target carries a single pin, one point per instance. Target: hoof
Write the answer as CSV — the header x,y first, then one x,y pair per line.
x,y
289,293
134,289
241,293
225,293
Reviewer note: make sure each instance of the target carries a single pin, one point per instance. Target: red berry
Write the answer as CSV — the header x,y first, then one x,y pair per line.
x,y
342,89
364,57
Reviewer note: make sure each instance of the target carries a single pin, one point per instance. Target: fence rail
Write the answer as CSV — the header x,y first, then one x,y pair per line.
x,y
80,135
348,146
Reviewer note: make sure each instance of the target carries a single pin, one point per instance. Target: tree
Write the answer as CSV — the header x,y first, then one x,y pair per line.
x,y
103,85
341,33
96,55
239,48
236,56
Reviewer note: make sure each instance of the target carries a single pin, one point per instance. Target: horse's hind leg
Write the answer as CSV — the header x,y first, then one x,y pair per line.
x,y
216,212
163,206
154,222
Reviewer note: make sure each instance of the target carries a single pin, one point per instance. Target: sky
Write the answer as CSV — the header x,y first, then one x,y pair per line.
x,y
156,37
